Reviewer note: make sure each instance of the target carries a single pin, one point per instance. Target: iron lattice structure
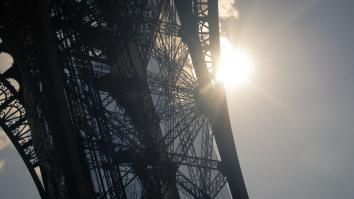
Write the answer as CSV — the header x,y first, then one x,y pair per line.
x,y
117,98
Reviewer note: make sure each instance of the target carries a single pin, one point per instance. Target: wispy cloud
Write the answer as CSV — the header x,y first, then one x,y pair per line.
x,y
38,171
4,140
2,164
227,9
6,61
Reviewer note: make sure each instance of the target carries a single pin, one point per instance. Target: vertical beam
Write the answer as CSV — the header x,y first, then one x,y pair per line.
x,y
213,17
212,97
51,71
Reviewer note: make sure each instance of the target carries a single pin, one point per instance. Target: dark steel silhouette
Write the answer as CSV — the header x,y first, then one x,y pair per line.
x,y
117,99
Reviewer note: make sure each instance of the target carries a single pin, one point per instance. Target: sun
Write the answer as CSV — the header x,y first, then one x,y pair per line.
x,y
235,65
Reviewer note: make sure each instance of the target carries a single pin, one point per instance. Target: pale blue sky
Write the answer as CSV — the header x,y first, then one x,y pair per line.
x,y
294,127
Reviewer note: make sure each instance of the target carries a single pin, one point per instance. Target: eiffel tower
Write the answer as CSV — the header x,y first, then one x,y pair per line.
x,y
118,98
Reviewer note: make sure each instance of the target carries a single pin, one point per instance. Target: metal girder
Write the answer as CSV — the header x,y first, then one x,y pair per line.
x,y
200,32
22,117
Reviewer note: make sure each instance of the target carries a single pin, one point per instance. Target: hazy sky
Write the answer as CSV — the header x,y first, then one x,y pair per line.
x,y
294,126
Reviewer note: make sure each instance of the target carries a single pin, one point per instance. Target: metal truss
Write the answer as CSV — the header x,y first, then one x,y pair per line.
x,y
23,120
133,83
14,122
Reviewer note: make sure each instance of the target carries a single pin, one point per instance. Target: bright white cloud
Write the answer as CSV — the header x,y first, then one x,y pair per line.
x,y
227,9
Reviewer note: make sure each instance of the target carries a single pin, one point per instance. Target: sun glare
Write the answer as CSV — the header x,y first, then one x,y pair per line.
x,y
235,65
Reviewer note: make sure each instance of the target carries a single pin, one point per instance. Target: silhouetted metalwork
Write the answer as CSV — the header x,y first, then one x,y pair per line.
x,y
117,99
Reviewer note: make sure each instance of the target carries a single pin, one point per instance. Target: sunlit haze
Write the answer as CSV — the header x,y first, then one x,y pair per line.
x,y
236,65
